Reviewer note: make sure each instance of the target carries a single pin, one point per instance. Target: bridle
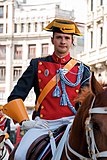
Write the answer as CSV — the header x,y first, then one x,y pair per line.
x,y
3,150
92,148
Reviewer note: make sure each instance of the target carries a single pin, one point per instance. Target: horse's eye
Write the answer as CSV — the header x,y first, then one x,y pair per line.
x,y
95,126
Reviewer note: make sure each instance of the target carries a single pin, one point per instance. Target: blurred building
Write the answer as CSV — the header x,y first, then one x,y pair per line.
x,y
95,52
22,38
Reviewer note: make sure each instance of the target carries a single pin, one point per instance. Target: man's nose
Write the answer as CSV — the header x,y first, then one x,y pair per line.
x,y
63,40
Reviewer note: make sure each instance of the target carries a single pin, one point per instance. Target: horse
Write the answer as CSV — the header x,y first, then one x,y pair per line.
x,y
6,146
87,136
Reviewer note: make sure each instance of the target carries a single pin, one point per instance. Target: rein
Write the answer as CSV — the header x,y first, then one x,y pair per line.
x,y
4,154
92,148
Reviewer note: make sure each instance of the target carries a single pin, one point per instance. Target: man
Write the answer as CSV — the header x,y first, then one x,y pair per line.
x,y
56,79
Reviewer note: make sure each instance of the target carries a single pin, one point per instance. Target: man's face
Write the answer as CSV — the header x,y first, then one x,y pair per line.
x,y
62,43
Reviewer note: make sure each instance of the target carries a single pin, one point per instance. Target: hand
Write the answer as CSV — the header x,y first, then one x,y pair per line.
x,y
37,123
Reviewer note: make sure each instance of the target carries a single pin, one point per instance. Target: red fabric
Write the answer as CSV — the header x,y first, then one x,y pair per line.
x,y
2,123
61,60
51,105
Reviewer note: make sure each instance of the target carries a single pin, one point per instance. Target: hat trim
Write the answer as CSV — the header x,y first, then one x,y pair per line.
x,y
64,26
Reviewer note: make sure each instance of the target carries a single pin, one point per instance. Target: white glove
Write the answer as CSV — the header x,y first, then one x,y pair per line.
x,y
37,123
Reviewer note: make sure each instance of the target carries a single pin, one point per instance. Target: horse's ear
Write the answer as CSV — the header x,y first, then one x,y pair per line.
x,y
95,85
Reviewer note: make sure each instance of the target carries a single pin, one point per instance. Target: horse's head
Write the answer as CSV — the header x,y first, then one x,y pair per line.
x,y
96,132
89,131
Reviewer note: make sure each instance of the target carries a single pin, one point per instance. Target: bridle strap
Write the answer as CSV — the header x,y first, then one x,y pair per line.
x,y
67,146
99,110
102,154
89,132
4,154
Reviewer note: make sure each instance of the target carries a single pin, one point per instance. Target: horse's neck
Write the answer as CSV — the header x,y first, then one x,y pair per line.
x,y
77,139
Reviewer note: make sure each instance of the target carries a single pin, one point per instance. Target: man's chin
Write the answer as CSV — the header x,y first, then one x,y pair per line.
x,y
61,54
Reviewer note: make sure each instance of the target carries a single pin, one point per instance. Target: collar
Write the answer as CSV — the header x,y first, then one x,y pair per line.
x,y
61,60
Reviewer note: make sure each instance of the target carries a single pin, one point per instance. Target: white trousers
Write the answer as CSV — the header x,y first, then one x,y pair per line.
x,y
32,134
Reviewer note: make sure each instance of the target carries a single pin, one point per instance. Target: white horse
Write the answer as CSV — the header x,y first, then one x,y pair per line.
x,y
5,146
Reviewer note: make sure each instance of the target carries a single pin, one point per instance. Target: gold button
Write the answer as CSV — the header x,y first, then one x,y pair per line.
x,y
77,91
42,107
39,71
40,63
39,80
40,90
41,115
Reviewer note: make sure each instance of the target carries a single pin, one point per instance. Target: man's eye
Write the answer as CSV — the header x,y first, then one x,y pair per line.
x,y
67,38
58,37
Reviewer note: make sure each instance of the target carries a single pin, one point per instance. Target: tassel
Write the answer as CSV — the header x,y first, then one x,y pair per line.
x,y
63,101
56,92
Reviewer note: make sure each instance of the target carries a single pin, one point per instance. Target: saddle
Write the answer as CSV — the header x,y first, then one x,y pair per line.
x,y
40,149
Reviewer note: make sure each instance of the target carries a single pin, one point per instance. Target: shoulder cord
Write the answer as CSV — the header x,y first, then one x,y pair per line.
x,y
64,101
79,76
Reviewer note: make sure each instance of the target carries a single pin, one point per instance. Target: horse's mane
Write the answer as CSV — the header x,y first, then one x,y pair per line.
x,y
84,92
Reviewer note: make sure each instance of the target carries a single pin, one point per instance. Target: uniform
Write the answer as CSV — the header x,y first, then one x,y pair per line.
x,y
38,74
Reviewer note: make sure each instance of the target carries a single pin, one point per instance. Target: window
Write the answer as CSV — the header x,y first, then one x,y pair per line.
x,y
15,28
42,25
1,11
45,49
2,95
6,11
22,27
80,41
91,5
31,51
2,52
101,2
101,35
6,28
18,52
35,27
17,71
57,6
1,28
91,39
2,73
29,27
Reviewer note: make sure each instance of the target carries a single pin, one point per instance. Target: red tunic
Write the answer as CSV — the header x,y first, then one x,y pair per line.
x,y
50,106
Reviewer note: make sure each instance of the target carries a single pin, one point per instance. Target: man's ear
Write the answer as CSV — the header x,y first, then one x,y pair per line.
x,y
52,40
